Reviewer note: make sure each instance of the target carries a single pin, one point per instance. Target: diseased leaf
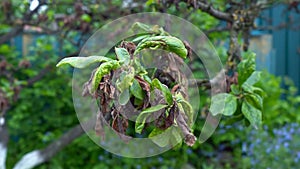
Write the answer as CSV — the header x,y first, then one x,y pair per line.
x,y
254,78
235,89
246,67
223,103
140,121
187,108
102,70
82,62
176,136
166,92
139,38
252,114
137,90
160,137
163,138
189,137
140,70
123,55
124,97
125,80
141,26
255,100
252,89
169,43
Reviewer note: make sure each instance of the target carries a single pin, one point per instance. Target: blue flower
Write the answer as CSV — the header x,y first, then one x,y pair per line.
x,y
100,157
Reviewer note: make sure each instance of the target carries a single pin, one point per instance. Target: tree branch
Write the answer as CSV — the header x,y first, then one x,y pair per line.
x,y
203,6
37,157
19,28
3,145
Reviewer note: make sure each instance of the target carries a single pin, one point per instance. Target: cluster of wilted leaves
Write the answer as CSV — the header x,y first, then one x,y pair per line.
x,y
153,98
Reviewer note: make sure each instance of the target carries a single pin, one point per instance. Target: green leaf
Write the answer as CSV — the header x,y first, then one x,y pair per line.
x,y
163,138
254,78
223,103
140,121
252,114
82,62
255,100
166,92
186,108
246,67
102,70
124,97
140,70
123,55
235,89
126,79
137,90
169,43
141,26
86,18
160,137
139,38
252,89
176,136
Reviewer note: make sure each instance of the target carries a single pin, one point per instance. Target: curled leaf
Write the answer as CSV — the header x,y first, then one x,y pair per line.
x,y
122,55
187,108
252,114
141,119
163,138
169,43
82,62
124,97
166,92
102,70
126,79
137,90
189,137
246,67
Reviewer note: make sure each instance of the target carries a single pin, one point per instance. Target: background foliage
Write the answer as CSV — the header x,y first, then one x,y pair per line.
x,y
41,110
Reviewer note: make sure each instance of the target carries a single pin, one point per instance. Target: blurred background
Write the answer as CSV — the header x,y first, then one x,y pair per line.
x,y
37,118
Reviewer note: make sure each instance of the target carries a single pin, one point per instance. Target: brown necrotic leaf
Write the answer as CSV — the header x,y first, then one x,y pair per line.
x,y
146,87
99,125
189,137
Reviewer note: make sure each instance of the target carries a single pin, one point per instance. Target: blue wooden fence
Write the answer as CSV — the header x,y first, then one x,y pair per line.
x,y
283,58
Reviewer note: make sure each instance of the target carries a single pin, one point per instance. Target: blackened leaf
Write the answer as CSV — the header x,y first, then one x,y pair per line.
x,y
122,55
166,92
99,125
137,90
252,114
102,70
223,103
82,62
189,137
124,97
141,119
